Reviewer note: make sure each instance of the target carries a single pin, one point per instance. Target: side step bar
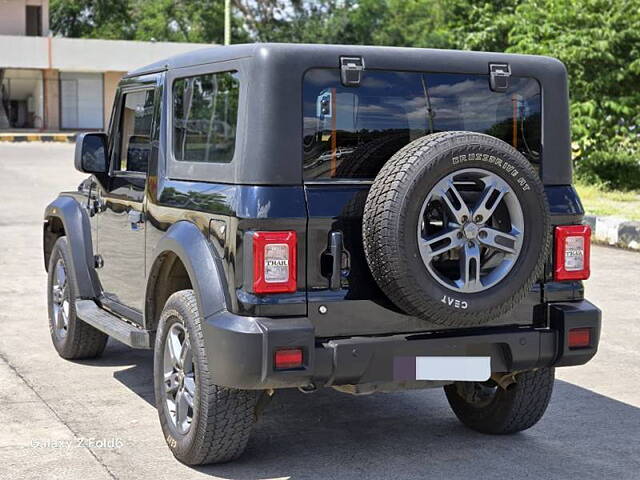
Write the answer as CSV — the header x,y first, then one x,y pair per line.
x,y
114,326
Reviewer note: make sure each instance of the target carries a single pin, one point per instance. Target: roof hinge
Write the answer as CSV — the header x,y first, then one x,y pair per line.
x,y
499,74
351,70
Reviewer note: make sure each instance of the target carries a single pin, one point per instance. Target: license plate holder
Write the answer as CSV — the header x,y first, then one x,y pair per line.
x,y
443,368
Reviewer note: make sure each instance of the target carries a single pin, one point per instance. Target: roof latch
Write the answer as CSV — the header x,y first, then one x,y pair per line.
x,y
499,74
351,70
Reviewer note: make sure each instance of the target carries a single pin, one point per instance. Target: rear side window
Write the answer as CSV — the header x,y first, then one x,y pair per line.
x,y
351,132
205,112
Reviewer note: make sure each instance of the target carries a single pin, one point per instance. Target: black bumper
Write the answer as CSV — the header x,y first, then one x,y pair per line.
x,y
240,350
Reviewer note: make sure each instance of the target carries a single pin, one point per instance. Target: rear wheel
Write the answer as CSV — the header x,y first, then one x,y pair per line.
x,y
488,408
72,338
201,421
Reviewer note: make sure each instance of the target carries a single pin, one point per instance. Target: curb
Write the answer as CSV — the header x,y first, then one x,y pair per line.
x,y
37,137
614,231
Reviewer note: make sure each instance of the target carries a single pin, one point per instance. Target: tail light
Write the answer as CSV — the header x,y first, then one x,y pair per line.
x,y
288,358
572,255
579,338
274,262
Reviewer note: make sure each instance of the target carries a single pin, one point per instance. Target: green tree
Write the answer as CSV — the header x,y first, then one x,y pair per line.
x,y
198,21
599,42
91,18
414,23
299,21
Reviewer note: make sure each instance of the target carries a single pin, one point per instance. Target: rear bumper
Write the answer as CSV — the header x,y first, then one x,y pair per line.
x,y
240,350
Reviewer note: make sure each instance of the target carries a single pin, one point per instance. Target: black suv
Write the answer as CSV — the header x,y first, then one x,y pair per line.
x,y
302,216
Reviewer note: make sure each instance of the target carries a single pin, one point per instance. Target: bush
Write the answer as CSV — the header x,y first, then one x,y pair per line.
x,y
614,170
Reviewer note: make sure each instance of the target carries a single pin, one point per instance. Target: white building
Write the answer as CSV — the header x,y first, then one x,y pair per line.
x,y
49,83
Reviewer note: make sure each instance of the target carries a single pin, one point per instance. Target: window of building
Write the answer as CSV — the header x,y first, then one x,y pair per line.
x,y
352,132
81,100
205,112
136,120
34,21
21,99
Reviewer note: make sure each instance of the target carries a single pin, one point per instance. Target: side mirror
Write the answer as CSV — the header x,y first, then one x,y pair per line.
x,y
91,153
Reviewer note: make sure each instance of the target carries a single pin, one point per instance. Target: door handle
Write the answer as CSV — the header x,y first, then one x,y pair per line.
x,y
96,206
335,248
135,218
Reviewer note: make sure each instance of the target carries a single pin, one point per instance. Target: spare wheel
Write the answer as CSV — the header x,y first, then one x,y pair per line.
x,y
456,228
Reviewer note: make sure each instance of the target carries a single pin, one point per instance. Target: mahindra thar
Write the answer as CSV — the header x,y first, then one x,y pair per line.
x,y
302,216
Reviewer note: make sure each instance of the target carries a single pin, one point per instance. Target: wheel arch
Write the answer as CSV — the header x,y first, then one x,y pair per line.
x,y
65,216
183,259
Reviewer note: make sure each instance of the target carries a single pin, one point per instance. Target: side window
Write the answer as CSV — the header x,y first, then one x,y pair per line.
x,y
205,112
135,132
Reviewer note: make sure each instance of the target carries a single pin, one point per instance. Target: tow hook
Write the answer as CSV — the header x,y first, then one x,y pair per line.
x,y
310,388
506,381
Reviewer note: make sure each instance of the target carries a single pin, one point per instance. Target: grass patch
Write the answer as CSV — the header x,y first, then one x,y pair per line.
x,y
599,201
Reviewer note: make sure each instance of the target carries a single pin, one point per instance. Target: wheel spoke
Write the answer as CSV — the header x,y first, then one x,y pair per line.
x,y
61,277
171,382
491,197
185,356
497,240
65,311
459,212
181,411
175,347
469,267
450,237
56,294
188,393
59,318
183,403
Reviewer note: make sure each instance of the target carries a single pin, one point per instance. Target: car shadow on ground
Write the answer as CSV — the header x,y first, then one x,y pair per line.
x,y
414,435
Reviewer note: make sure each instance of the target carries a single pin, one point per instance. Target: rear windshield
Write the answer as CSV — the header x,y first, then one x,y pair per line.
x,y
351,132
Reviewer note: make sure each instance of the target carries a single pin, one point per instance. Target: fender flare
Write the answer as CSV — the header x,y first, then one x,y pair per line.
x,y
77,229
202,263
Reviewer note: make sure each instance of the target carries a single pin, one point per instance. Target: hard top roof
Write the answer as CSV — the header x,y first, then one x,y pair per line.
x,y
295,51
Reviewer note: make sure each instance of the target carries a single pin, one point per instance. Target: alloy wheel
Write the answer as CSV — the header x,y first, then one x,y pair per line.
x,y
60,300
179,378
470,230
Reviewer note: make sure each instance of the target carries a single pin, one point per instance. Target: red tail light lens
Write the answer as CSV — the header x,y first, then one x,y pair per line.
x,y
274,262
288,358
573,251
579,338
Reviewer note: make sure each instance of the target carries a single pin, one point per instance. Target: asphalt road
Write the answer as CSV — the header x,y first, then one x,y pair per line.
x,y
95,419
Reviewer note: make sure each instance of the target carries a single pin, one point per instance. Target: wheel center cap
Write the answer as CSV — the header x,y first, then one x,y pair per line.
x,y
470,230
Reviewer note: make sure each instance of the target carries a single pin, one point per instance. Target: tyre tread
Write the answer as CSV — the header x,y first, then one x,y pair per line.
x,y
85,341
227,414
513,410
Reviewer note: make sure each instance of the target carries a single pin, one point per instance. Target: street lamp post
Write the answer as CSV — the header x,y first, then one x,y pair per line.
x,y
227,22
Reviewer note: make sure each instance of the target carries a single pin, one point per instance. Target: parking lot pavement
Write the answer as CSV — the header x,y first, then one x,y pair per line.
x,y
95,419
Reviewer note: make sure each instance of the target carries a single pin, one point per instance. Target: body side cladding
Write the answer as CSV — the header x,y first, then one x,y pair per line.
x,y
77,229
202,264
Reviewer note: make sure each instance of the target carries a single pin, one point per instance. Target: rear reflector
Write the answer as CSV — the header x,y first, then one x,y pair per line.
x,y
288,358
274,262
573,250
579,338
